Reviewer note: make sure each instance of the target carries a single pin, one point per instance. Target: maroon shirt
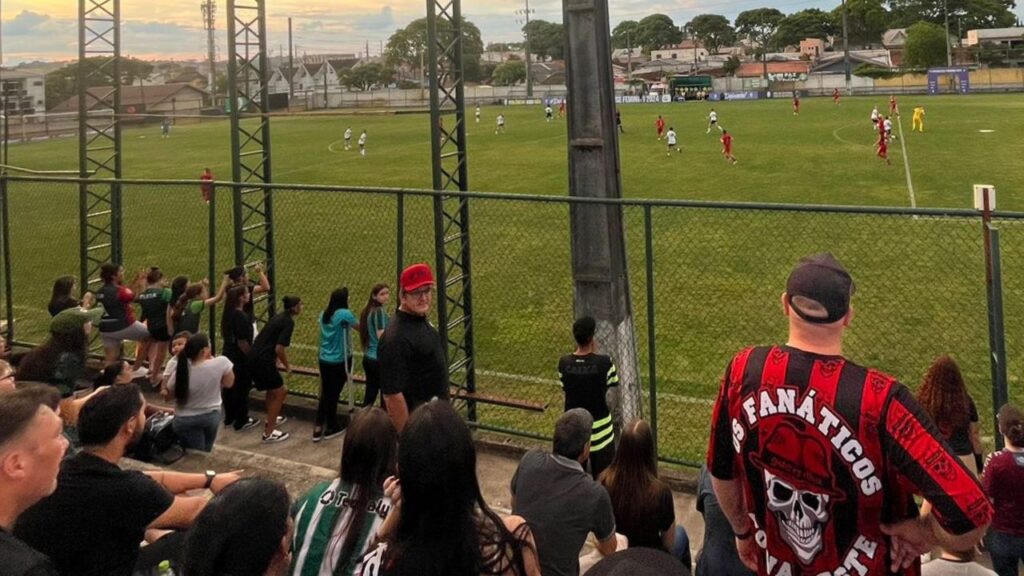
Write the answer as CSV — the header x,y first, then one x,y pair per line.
x,y
1004,475
827,451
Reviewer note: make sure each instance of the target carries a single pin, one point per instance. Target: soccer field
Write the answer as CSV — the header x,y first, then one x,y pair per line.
x,y
823,156
718,273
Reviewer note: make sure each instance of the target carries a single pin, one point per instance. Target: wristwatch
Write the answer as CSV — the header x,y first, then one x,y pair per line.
x,y
210,475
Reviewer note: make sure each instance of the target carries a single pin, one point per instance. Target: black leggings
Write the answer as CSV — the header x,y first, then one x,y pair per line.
x,y
371,368
332,380
236,398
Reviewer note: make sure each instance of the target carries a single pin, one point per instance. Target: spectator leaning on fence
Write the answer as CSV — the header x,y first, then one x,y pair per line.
x,y
814,457
188,309
411,354
269,349
1003,479
31,448
238,277
561,502
236,328
119,323
63,297
586,376
335,362
60,360
154,302
372,321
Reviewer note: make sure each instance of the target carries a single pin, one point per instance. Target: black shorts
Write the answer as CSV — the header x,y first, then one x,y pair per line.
x,y
159,333
266,378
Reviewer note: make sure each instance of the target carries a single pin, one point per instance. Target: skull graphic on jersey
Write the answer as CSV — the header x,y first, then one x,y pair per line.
x,y
801,514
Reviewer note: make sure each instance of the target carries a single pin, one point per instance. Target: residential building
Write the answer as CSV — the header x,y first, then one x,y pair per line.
x,y
163,100
688,50
1009,37
23,91
813,48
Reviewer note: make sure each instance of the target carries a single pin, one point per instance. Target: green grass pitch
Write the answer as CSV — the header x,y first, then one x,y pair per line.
x,y
718,274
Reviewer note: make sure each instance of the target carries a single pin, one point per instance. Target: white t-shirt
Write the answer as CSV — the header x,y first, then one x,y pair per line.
x,y
477,110
547,110
362,138
888,125
203,386
713,117
348,134
501,120
671,137
874,114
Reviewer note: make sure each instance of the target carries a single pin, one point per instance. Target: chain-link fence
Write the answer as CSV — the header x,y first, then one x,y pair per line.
x,y
716,273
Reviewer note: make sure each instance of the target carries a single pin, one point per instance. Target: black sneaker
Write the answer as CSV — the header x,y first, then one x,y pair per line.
x,y
331,433
318,436
249,425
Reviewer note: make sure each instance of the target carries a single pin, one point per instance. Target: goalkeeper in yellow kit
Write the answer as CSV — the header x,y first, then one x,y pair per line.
x,y
918,120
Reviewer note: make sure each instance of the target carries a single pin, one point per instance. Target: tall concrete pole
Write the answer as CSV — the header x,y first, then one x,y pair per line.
x,y
526,33
209,8
846,45
600,280
949,51
291,62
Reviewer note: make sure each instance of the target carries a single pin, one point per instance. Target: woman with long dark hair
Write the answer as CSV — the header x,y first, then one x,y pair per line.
x,y
1004,475
336,521
112,374
60,360
642,503
372,321
441,525
154,302
236,328
196,384
63,296
944,397
244,531
187,310
335,359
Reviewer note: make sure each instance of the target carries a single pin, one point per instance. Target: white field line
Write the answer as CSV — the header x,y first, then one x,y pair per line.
x,y
906,163
835,134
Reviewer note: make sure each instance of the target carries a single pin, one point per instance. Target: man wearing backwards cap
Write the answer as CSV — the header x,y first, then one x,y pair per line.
x,y
815,459
413,369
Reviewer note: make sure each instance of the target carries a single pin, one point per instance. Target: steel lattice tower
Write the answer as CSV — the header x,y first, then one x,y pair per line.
x,y
451,213
99,136
250,140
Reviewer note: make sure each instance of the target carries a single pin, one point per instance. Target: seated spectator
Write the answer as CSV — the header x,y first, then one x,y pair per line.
x,y
718,555
244,530
561,502
644,511
60,360
63,296
95,520
440,524
31,448
1002,480
177,345
336,521
196,384
952,563
944,397
116,373
639,562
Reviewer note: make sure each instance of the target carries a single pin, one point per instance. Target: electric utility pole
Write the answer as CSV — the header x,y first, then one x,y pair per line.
x,y
846,45
291,61
209,8
525,12
945,15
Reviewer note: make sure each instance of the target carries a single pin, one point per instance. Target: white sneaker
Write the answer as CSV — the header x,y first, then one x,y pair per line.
x,y
140,373
275,436
281,420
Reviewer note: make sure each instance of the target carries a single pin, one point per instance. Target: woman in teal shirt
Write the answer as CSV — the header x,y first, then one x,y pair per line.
x,y
335,360
372,321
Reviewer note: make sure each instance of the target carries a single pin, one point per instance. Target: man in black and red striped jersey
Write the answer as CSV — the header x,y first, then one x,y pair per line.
x,y
815,459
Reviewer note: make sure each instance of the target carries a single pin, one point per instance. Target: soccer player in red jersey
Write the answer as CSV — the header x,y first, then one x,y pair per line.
x,y
561,109
206,186
660,125
894,110
796,104
727,146
883,149
835,96
815,459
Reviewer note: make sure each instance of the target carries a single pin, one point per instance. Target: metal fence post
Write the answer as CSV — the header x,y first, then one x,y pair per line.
x,y
5,225
400,223
997,336
212,252
652,365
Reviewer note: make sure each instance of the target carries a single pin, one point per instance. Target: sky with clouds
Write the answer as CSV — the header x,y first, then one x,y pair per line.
x,y
47,29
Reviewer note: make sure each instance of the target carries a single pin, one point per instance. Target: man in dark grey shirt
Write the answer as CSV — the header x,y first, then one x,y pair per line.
x,y
561,502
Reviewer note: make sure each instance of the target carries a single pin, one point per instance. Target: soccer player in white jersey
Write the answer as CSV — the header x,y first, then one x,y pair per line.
x,y
477,114
348,138
362,143
500,128
548,113
713,121
887,126
875,118
670,138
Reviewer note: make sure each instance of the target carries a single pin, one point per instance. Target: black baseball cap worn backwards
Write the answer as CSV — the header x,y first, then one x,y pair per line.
x,y
819,289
